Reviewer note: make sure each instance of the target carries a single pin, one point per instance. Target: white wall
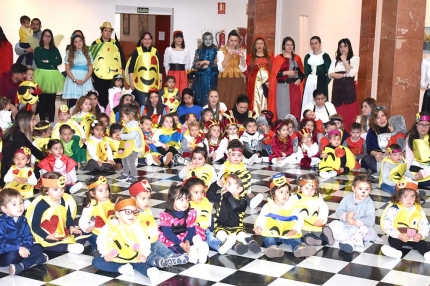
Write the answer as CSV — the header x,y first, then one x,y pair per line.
x,y
62,17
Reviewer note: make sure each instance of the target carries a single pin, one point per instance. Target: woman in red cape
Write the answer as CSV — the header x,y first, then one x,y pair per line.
x,y
286,84
259,64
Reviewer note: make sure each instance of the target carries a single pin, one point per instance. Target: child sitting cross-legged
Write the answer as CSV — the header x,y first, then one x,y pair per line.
x,y
280,222
355,142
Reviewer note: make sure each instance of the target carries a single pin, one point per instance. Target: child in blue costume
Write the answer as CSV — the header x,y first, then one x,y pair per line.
x,y
167,138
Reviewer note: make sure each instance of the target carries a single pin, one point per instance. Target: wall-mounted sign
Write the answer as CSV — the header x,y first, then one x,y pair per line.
x,y
142,10
221,7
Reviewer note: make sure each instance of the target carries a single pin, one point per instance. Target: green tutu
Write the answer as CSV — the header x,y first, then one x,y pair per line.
x,y
49,81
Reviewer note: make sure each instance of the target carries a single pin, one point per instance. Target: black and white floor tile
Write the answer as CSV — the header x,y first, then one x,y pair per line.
x,y
328,266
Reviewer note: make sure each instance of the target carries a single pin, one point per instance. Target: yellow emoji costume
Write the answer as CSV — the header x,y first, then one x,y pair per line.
x,y
146,72
204,213
100,147
107,59
337,158
85,121
406,220
170,99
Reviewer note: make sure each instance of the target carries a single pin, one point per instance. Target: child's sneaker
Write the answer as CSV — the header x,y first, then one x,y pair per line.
x,y
126,269
240,248
253,245
304,251
131,180
76,187
153,274
274,251
122,178
160,262
227,244
203,252
253,159
15,269
265,159
255,201
83,165
193,255
427,255
327,236
177,259
346,246
394,253
42,259
75,248
312,239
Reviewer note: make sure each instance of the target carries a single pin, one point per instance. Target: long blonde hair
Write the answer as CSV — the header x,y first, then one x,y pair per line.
x,y
72,50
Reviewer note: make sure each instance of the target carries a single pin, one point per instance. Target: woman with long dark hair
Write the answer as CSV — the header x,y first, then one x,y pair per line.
x,y
144,73
6,53
20,134
287,74
343,71
259,63
50,80
177,61
154,107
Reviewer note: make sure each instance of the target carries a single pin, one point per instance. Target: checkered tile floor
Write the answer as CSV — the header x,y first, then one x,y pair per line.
x,y
328,266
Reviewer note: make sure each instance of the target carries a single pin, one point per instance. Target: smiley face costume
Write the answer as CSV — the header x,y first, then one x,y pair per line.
x,y
84,119
204,213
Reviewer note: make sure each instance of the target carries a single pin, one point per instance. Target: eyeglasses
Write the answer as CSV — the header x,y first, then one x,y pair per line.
x,y
380,108
129,212
423,125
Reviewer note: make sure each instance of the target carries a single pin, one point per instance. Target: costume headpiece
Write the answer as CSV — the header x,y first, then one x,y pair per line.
x,y
393,151
336,119
23,150
419,117
106,25
54,183
307,182
124,203
100,180
262,120
260,37
305,131
117,76
63,109
280,124
406,183
93,91
43,127
142,186
210,123
190,115
153,89
178,33
268,114
228,121
94,123
278,180
231,150
332,133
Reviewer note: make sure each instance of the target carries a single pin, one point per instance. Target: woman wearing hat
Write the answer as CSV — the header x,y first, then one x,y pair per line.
x,y
109,61
177,61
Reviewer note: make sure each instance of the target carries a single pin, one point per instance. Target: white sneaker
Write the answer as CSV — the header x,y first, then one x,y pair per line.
x,y
76,187
255,201
427,255
253,159
281,163
149,160
193,255
227,244
153,274
127,269
392,252
265,159
197,241
203,252
259,160
75,248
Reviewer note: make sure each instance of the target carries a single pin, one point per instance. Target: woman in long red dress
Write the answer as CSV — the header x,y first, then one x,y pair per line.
x,y
286,86
259,63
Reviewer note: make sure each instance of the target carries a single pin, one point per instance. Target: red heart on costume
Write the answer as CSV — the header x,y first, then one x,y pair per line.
x,y
29,173
339,152
50,226
172,100
98,222
147,223
165,100
111,212
15,172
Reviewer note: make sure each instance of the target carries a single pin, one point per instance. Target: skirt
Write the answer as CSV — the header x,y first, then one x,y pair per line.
x,y
349,114
74,91
49,81
181,80
229,89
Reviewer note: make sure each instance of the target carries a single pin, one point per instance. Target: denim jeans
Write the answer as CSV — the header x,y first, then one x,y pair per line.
x,y
270,241
13,257
102,264
158,249
211,240
140,96
92,239
388,188
176,249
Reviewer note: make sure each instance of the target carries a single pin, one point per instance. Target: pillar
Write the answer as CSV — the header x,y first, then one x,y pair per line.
x,y
261,21
401,51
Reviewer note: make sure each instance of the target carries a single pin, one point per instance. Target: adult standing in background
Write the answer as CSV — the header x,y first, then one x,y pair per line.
x,y
6,54
231,66
259,63
287,74
9,83
343,70
50,80
425,83
109,61
316,64
177,61
144,68
79,68
36,25
207,69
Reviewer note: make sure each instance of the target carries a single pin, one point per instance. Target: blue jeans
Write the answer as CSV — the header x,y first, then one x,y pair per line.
x,y
388,188
270,241
158,249
211,240
102,264
177,249
140,96
13,257
92,239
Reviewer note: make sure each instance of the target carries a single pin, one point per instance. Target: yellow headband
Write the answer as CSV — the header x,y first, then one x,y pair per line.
x,y
43,127
54,183
100,180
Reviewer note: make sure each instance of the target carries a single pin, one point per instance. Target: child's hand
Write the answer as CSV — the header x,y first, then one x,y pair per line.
x,y
83,140
284,154
352,221
403,237
319,222
220,183
291,233
417,237
89,229
223,191
141,258
323,155
341,170
73,230
100,163
108,257
185,246
250,196
350,215
23,252
51,237
257,230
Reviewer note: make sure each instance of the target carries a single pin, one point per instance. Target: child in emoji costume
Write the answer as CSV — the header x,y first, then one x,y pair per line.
x,y
405,222
51,215
98,208
123,245
199,168
178,229
356,213
21,177
84,114
99,153
205,219
64,116
28,94
161,256
280,221
41,137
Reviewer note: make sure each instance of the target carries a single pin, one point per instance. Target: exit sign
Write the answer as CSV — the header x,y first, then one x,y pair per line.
x,y
142,10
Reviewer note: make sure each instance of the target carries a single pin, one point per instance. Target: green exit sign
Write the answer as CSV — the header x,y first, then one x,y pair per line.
x,y
142,10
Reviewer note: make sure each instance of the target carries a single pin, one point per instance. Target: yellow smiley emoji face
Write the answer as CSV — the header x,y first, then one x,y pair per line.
x,y
25,93
61,182
26,190
107,63
124,241
146,72
308,208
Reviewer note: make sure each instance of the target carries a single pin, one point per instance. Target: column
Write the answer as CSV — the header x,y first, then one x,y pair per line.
x,y
261,21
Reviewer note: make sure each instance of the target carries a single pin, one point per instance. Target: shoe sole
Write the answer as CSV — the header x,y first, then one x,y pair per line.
x,y
241,249
273,252
122,180
305,252
254,247
346,247
312,241
327,233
